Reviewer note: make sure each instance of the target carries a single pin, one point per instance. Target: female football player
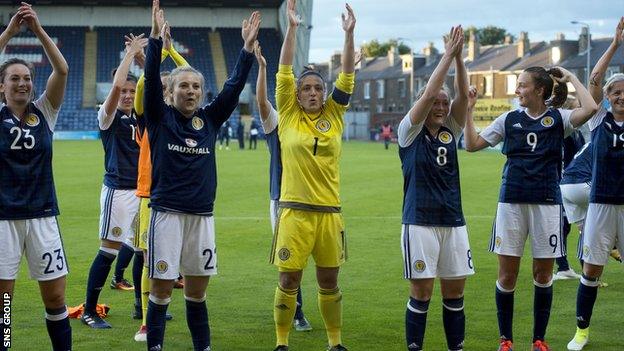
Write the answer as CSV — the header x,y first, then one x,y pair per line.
x,y
434,236
530,197
28,206
604,223
309,220
182,138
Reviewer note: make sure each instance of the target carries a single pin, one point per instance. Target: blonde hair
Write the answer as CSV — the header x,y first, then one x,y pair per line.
x,y
186,69
618,77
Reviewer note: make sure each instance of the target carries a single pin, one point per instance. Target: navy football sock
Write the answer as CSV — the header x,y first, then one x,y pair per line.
x,y
156,311
137,271
299,311
197,321
504,307
98,273
585,299
542,302
454,322
123,261
415,323
57,323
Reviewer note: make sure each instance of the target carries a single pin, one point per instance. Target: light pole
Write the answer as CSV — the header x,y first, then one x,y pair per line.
x,y
586,25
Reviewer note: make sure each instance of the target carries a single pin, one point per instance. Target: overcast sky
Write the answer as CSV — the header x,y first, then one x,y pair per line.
x,y
422,21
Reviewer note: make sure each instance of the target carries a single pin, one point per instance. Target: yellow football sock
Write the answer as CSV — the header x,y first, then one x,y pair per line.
x,y
145,290
330,305
284,307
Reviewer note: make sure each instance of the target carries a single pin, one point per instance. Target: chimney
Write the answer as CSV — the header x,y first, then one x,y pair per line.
x,y
431,54
473,46
508,39
523,44
560,36
583,40
393,55
334,62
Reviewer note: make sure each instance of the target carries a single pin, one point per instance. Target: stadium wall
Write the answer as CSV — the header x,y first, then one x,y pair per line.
x,y
90,16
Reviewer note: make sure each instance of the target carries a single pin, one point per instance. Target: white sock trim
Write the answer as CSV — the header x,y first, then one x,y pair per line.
x,y
500,287
192,299
57,317
162,302
590,283
109,250
454,309
415,310
540,285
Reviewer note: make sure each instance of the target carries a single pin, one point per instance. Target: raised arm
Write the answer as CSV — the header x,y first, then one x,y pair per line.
x,y
55,87
588,106
459,105
264,105
288,46
226,101
133,48
598,73
11,30
473,141
168,49
153,97
418,113
348,52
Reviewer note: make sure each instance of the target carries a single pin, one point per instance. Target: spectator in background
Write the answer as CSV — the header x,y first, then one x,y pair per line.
x,y
253,135
386,134
224,133
240,134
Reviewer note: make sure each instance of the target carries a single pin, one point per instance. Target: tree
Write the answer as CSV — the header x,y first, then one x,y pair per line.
x,y
489,35
374,48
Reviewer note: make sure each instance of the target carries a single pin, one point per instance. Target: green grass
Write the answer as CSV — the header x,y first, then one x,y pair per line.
x,y
240,297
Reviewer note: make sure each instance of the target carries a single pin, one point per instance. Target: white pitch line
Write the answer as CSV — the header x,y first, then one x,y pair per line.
x,y
262,218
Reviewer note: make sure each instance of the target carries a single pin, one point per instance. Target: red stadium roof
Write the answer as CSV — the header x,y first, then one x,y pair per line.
x,y
164,3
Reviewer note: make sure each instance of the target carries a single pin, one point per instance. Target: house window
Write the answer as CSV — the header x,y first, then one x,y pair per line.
x,y
380,88
488,82
511,84
401,87
379,108
367,90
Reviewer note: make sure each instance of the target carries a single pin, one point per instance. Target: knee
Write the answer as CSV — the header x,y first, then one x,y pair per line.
x,y
542,277
328,281
161,289
507,280
290,280
54,299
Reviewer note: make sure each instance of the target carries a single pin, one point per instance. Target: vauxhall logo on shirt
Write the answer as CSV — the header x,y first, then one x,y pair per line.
x,y
190,148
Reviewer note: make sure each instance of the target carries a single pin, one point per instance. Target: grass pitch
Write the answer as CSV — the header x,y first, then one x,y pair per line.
x,y
240,297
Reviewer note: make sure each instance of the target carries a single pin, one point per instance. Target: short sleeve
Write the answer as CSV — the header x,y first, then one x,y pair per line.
x,y
270,123
495,132
407,132
596,119
49,112
455,128
568,128
105,121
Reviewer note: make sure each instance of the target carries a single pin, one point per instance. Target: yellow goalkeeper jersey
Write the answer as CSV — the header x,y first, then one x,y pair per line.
x,y
311,144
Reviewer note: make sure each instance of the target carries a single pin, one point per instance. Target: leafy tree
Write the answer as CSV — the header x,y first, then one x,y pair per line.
x,y
375,48
489,35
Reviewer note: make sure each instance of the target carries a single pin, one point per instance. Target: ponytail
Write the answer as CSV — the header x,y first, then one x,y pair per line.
x,y
555,93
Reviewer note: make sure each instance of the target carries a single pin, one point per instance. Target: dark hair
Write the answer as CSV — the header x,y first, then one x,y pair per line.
x,y
130,78
16,61
555,93
309,71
